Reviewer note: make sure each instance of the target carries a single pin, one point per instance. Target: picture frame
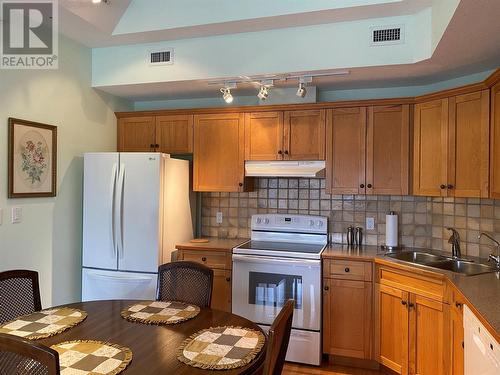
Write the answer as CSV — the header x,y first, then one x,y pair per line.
x,y
32,159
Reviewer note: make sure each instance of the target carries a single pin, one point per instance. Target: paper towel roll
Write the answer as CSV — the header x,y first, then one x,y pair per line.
x,y
391,230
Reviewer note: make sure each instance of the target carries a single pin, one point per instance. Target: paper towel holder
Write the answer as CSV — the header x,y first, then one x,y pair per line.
x,y
391,249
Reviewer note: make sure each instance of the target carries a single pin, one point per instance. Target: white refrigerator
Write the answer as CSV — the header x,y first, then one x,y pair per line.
x,y
136,207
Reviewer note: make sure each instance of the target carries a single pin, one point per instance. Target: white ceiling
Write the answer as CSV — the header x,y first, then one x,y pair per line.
x,y
462,50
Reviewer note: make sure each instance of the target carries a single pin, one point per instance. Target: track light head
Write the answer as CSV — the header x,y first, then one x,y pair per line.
x,y
301,91
263,92
226,95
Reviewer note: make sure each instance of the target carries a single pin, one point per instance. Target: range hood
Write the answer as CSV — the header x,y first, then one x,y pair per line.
x,y
285,168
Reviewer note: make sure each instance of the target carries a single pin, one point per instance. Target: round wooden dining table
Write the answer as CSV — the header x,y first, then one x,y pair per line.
x,y
154,347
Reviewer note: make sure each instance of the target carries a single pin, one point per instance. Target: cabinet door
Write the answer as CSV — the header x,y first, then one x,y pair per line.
x,y
469,145
345,161
350,334
495,142
264,136
457,339
387,154
174,134
428,352
221,291
305,135
393,324
136,134
218,152
430,148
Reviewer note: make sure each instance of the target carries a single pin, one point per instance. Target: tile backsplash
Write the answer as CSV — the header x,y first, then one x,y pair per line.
x,y
422,220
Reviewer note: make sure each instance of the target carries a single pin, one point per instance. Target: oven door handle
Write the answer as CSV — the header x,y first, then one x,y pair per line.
x,y
267,260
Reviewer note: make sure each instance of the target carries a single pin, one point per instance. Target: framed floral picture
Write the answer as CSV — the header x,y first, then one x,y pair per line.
x,y
32,159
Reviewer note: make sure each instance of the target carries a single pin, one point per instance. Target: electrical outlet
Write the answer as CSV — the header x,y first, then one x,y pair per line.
x,y
16,215
370,223
218,217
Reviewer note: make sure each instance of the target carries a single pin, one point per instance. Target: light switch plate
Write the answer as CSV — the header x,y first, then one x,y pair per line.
x,y
218,217
16,215
370,223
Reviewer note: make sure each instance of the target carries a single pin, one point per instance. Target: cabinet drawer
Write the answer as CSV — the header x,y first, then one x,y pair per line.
x,y
211,259
349,270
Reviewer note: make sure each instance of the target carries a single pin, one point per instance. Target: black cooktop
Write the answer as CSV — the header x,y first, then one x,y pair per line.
x,y
283,246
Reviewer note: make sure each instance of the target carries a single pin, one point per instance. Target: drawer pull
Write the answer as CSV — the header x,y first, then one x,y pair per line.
x,y
204,259
228,279
347,269
326,288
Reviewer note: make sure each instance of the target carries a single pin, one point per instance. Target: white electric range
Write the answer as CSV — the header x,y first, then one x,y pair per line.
x,y
282,261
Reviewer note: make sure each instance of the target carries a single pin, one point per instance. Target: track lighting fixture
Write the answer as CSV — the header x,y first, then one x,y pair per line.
x,y
263,92
301,91
226,95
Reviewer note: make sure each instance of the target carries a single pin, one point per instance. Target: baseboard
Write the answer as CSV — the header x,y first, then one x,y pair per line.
x,y
354,362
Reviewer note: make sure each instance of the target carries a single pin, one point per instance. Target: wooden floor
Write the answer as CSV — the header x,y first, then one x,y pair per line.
x,y
325,369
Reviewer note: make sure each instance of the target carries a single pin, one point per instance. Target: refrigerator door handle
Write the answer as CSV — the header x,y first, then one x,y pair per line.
x,y
121,184
112,189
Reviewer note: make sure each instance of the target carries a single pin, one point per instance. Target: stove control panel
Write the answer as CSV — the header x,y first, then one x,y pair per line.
x,y
290,223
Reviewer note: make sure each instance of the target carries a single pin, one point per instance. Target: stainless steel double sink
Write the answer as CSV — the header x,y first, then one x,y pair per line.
x,y
463,266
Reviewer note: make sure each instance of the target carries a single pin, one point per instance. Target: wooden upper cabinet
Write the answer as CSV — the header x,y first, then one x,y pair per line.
x,y
264,136
345,158
495,142
304,135
468,161
430,148
174,134
387,150
136,134
219,152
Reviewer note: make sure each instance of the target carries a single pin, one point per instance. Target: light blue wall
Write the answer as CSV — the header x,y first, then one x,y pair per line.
x,y
322,96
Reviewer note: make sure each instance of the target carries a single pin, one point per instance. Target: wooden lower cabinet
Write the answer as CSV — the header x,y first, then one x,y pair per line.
x,y
220,263
348,309
413,330
457,334
221,292
347,318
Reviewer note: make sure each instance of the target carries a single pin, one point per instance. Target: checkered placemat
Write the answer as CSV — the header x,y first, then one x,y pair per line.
x,y
45,323
221,348
92,357
159,312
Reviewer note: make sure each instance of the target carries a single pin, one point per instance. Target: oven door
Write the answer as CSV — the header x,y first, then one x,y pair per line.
x,y
261,285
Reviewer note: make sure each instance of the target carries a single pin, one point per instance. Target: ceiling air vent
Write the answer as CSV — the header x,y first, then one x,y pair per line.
x,y
165,57
387,35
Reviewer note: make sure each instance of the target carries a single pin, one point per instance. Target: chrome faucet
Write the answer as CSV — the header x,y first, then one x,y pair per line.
x,y
455,243
491,257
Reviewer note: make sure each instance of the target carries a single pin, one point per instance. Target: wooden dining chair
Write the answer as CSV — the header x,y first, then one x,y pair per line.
x,y
19,294
23,357
277,340
185,281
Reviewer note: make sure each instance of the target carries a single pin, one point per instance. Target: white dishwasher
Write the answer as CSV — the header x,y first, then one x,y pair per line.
x,y
481,350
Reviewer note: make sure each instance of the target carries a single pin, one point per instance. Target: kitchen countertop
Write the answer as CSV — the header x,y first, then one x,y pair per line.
x,y
482,291
215,244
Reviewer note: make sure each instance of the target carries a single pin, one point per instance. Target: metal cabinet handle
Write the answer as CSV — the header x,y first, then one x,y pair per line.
x,y
458,305
410,305
280,152
403,302
152,145
443,186
369,186
326,288
228,279
450,186
204,259
286,152
362,186
347,269
240,184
